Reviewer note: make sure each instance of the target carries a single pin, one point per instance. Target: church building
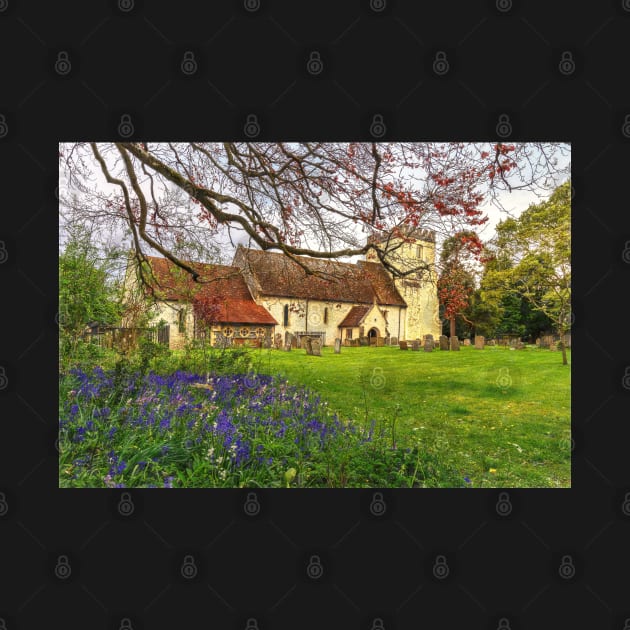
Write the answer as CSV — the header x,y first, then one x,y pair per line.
x,y
264,295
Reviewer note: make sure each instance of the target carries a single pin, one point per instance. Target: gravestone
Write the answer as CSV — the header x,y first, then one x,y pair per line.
x,y
454,343
403,345
394,341
443,342
294,341
308,345
415,345
267,342
538,341
287,347
466,342
428,343
480,341
337,346
491,342
364,341
520,345
553,346
278,341
380,342
316,347
287,338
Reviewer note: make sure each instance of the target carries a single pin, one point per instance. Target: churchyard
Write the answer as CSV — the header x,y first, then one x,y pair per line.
x,y
499,416
495,417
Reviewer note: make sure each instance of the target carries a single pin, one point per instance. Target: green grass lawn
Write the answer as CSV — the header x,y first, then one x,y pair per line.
x,y
502,417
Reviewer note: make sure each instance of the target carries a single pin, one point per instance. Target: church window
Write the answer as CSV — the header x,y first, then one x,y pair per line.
x,y
244,332
286,315
228,331
348,333
260,332
181,320
419,252
325,315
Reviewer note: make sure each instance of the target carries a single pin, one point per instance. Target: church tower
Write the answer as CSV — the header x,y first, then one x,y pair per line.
x,y
419,288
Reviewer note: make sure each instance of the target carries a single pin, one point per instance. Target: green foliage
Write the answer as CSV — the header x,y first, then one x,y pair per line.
x,y
86,291
528,282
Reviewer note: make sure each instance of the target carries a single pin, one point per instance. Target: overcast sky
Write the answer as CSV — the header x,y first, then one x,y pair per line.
x,y
514,202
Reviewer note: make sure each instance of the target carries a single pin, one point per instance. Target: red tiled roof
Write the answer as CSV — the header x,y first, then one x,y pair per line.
x,y
236,306
355,316
275,274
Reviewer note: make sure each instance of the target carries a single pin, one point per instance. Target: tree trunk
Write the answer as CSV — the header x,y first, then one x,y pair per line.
x,y
453,331
564,350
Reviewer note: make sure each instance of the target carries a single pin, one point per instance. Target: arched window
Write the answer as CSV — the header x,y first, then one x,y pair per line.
x,y
325,315
286,315
419,252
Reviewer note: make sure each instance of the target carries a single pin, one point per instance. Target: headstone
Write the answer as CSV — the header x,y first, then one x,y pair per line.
x,y
267,342
355,343
538,341
278,342
480,341
415,345
337,345
491,342
287,338
520,345
428,343
294,341
454,343
380,342
553,346
403,345
307,344
394,341
443,342
364,341
287,347
466,342
316,347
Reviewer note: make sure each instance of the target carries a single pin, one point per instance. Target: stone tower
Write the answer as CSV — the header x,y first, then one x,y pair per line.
x,y
418,289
